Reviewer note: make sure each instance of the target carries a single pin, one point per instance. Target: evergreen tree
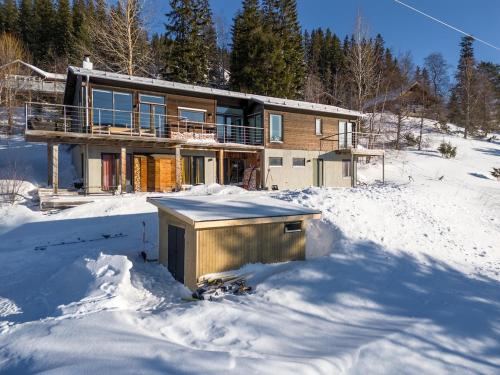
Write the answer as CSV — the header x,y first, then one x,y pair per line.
x,y
190,28
26,25
465,81
80,27
9,21
43,31
63,30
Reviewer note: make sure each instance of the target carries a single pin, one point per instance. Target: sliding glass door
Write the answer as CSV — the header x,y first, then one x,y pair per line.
x,y
152,114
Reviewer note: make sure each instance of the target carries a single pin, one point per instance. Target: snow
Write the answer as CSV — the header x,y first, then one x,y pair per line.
x,y
400,278
230,207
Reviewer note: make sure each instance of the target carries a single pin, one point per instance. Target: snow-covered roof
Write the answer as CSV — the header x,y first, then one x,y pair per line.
x,y
40,72
266,100
229,207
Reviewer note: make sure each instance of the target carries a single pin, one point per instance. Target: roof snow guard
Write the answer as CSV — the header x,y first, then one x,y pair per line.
x,y
161,84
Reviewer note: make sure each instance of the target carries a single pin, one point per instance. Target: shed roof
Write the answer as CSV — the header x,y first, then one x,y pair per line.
x,y
224,210
158,83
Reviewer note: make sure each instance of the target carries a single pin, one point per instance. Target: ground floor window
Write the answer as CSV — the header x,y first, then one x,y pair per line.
x,y
275,161
193,170
346,168
299,162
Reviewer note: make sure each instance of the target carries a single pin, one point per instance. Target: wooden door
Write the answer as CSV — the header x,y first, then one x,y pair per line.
x,y
109,177
176,252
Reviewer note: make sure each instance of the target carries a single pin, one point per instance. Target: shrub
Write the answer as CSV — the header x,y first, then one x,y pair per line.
x,y
410,139
447,150
496,173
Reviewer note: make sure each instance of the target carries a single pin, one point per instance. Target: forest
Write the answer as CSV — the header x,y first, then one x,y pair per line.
x,y
264,51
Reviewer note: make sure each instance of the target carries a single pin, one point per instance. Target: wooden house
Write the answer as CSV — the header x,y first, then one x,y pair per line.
x,y
141,134
204,235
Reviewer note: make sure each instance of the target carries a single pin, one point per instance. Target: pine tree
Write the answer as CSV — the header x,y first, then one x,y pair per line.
x,y
43,31
10,17
26,25
190,28
465,81
80,27
63,30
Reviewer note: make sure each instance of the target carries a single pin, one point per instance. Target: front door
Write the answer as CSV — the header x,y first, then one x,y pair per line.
x,y
176,252
110,168
318,172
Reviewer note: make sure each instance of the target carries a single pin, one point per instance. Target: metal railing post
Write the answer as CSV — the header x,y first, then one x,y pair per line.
x,y
64,118
26,117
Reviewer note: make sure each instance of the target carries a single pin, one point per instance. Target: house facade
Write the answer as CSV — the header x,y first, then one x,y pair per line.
x,y
140,134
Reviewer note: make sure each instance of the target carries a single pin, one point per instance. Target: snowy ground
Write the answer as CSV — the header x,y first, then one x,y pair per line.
x,y
402,278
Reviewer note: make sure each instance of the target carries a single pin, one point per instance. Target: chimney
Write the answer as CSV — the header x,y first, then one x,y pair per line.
x,y
87,64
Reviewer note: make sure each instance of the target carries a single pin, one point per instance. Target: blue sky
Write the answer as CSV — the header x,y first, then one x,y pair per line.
x,y
402,29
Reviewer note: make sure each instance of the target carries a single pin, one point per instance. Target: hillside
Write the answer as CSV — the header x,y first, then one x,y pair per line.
x,y
400,278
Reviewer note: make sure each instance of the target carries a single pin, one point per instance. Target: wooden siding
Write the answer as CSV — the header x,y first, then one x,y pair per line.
x,y
161,173
299,131
189,249
223,249
176,101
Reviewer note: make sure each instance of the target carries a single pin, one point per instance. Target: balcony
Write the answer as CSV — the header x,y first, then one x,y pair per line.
x,y
355,143
45,121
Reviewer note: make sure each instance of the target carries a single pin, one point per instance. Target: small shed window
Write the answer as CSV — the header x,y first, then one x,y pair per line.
x,y
295,226
275,162
299,162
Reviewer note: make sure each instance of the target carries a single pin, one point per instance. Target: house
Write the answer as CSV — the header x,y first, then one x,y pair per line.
x,y
200,236
141,134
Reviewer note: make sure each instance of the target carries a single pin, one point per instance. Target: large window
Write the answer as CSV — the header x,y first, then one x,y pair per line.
x,y
256,132
226,118
275,161
193,170
345,134
318,127
192,115
276,128
346,168
152,112
112,108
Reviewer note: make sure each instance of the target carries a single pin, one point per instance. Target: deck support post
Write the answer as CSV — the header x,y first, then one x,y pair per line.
x,y
53,166
178,168
352,171
221,167
383,168
123,170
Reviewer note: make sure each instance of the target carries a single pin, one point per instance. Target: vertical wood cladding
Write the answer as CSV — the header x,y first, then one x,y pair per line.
x,y
227,248
161,173
299,132
176,101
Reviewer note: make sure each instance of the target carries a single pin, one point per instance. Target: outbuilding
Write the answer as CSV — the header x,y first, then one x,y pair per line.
x,y
199,235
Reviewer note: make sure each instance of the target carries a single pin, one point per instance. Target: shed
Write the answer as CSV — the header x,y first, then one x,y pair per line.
x,y
199,235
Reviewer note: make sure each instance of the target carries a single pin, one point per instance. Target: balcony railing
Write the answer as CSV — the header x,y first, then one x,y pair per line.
x,y
353,140
107,122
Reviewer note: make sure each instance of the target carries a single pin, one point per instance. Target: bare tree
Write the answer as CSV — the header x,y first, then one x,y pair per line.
x,y
439,78
12,179
120,40
11,49
401,104
361,62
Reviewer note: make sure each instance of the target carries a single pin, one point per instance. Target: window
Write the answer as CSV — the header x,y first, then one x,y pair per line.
x,y
275,162
276,128
112,108
345,134
152,111
295,226
319,127
193,170
346,168
299,162
194,115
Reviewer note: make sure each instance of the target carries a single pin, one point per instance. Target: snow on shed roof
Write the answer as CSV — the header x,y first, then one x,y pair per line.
x,y
211,208
266,100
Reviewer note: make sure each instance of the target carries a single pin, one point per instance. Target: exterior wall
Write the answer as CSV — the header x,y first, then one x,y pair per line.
x,y
189,246
95,170
299,131
290,177
176,101
227,248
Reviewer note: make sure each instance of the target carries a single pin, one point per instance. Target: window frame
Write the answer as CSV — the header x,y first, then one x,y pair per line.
x,y
280,140
113,91
298,166
275,157
292,223
204,111
320,120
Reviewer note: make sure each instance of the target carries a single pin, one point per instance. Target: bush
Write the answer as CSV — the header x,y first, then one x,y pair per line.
x,y
410,139
447,150
496,173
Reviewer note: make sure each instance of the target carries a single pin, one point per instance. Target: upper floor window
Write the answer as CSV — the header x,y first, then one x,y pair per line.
x,y
192,114
276,128
319,126
112,108
345,134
